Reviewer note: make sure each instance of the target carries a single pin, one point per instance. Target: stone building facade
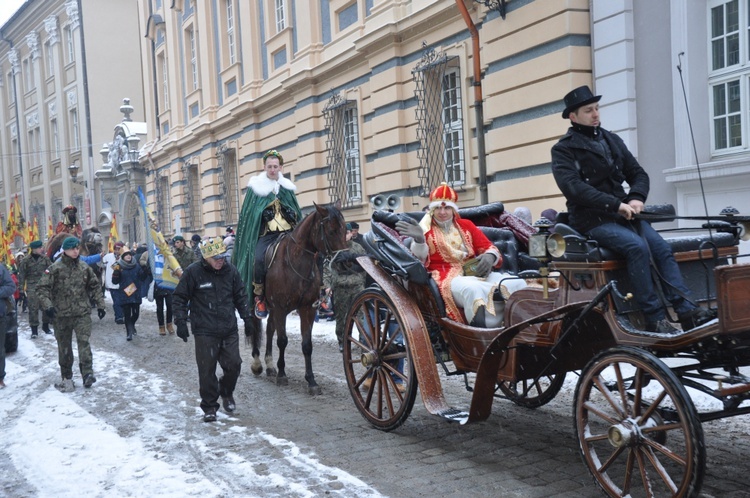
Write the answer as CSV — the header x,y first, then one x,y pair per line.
x,y
65,66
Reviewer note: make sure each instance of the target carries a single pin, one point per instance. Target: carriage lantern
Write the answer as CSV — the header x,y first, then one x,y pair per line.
x,y
544,245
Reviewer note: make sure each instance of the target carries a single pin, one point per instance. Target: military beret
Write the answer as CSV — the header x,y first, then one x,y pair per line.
x,y
36,244
178,237
70,243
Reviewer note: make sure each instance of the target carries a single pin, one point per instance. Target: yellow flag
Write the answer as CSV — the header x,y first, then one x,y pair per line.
x,y
50,231
113,235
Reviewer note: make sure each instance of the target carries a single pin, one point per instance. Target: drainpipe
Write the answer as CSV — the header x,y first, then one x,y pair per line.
x,y
478,101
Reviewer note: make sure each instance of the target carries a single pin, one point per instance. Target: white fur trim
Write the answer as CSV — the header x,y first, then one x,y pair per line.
x,y
436,204
420,250
262,185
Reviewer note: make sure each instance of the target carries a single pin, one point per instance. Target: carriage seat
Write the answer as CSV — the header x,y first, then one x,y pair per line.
x,y
578,248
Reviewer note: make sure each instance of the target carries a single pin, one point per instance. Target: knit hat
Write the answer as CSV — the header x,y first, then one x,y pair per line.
x,y
196,238
119,245
70,243
178,237
36,244
213,248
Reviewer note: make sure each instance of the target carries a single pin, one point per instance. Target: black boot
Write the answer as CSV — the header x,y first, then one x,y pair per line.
x,y
479,318
45,327
129,331
34,332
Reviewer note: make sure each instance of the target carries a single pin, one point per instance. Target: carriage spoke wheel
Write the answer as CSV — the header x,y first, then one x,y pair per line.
x,y
637,428
377,361
533,393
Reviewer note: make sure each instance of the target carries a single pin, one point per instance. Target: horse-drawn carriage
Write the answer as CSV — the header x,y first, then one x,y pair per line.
x,y
638,427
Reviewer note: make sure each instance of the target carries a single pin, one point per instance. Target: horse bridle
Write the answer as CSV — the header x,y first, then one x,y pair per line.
x,y
320,234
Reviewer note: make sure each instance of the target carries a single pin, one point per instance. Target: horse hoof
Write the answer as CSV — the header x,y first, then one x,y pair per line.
x,y
282,381
314,390
270,372
257,370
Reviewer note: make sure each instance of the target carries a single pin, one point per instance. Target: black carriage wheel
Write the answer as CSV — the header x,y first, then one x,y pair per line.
x,y
378,367
533,393
637,428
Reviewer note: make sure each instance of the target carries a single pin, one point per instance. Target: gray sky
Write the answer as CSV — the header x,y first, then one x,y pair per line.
x,y
8,8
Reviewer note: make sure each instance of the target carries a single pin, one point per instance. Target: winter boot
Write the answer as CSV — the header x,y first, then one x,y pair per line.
x,y
34,331
162,330
170,329
129,331
45,327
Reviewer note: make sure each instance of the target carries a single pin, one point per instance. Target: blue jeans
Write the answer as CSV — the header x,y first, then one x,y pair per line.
x,y
638,243
116,295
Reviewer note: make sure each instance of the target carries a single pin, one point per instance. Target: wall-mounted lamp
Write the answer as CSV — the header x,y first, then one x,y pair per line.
x,y
73,170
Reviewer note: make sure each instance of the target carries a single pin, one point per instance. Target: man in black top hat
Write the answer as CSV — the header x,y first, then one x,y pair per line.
x,y
356,236
590,165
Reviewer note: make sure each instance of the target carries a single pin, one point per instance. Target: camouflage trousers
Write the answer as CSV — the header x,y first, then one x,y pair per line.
x,y
343,297
64,327
34,309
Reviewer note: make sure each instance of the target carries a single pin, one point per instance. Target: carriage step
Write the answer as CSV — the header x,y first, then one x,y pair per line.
x,y
454,415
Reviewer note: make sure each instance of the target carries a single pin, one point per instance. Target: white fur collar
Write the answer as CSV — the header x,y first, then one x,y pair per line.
x,y
262,185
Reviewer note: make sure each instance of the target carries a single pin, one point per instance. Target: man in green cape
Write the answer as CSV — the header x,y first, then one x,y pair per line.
x,y
270,209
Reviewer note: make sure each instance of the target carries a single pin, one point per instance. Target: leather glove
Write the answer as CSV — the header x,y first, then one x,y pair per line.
x,y
406,229
182,331
51,312
267,215
101,313
484,264
289,215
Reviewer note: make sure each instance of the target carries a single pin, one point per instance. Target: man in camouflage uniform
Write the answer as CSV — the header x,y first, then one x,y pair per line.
x,y
344,279
30,272
64,293
184,255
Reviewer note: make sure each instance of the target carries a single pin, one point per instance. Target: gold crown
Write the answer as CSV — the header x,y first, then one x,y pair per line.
x,y
212,248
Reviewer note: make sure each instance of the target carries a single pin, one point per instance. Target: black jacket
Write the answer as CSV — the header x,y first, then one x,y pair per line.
x,y
212,296
593,183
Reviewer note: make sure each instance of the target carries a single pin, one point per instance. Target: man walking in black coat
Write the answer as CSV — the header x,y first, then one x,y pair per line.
x,y
212,290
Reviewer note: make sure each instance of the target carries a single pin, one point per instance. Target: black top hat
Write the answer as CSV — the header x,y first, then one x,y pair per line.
x,y
579,97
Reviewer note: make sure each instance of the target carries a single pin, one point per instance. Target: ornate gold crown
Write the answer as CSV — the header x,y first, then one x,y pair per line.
x,y
213,247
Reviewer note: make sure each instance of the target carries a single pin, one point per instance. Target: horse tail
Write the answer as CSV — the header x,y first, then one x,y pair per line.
x,y
254,333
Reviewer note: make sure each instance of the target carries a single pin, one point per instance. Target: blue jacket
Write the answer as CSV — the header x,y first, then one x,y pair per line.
x,y
126,275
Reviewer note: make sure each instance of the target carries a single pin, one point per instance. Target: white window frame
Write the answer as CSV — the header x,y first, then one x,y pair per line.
x,y
50,54
353,170
193,56
164,81
70,47
453,127
231,41
55,132
28,74
736,74
280,10
75,130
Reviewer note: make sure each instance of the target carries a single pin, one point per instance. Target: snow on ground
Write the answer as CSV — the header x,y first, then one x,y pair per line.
x,y
61,447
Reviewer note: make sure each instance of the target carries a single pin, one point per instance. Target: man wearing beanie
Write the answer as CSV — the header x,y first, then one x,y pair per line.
x,y
30,272
212,290
65,291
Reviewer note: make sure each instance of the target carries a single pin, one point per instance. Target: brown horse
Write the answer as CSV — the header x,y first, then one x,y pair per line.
x,y
293,283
